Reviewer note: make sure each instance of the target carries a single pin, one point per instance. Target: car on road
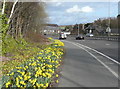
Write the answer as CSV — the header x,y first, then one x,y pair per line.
x,y
62,36
80,37
89,35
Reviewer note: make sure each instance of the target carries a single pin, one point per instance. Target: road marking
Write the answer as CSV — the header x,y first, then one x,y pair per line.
x,y
114,73
109,63
107,44
79,40
100,53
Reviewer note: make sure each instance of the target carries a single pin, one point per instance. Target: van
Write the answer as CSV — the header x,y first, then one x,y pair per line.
x,y
62,36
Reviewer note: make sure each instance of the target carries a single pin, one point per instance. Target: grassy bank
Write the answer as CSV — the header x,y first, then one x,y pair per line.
x,y
33,71
15,52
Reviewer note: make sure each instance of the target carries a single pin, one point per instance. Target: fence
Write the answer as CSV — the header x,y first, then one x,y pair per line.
x,y
111,38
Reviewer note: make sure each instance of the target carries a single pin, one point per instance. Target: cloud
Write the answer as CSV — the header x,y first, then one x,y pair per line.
x,y
55,4
75,8
77,0
51,0
50,17
58,4
86,9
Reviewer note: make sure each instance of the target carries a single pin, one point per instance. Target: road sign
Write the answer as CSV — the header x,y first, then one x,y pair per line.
x,y
108,29
90,31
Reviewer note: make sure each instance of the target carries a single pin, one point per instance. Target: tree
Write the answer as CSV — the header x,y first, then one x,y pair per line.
x,y
24,17
3,8
13,7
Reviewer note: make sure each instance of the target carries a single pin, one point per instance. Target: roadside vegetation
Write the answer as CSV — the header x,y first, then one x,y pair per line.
x,y
38,70
28,58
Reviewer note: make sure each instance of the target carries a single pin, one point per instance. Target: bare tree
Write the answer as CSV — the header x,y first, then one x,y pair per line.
x,y
26,16
3,8
13,7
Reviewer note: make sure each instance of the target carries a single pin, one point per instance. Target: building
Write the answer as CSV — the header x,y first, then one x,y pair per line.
x,y
51,29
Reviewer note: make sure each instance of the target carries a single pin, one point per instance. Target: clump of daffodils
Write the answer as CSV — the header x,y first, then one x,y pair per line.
x,y
37,71
50,38
58,43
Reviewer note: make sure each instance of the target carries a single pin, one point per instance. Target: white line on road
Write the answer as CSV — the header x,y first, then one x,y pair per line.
x,y
114,73
100,53
107,44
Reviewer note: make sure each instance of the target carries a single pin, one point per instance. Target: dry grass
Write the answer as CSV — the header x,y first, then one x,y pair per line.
x,y
36,38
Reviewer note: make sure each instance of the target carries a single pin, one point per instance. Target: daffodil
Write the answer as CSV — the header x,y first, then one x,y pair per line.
x,y
47,84
22,82
57,75
44,75
33,81
8,83
38,85
33,64
57,81
20,77
39,57
26,77
22,73
12,73
17,81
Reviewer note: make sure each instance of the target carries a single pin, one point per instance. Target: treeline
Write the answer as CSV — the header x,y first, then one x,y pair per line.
x,y
112,22
99,26
23,17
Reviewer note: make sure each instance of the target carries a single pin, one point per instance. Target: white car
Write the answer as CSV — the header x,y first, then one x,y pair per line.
x,y
62,36
89,35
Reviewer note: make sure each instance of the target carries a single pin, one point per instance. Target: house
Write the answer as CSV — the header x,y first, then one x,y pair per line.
x,y
51,29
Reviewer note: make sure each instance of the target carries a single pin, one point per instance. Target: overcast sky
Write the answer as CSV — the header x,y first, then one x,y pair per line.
x,y
69,13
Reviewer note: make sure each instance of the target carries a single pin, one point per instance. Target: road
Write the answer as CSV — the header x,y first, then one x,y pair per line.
x,y
90,63
110,48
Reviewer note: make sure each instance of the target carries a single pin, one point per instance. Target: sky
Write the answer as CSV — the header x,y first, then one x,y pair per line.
x,y
70,13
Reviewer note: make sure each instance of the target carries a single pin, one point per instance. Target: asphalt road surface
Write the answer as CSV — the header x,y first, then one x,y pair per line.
x,y
109,48
90,63
84,68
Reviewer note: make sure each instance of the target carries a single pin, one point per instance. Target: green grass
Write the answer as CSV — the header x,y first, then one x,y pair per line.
x,y
18,51
36,70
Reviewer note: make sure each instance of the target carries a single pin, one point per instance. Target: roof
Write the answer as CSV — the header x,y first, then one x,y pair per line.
x,y
54,25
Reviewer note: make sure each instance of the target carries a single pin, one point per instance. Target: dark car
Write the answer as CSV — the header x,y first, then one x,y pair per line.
x,y
80,37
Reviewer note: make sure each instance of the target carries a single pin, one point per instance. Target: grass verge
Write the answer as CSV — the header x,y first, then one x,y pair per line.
x,y
37,71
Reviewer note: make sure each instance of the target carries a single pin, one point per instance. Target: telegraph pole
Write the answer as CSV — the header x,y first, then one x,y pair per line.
x,y
78,30
109,30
